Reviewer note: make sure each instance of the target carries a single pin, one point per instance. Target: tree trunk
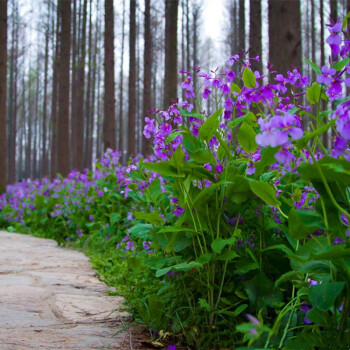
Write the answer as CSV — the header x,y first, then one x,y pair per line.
x,y
241,31
255,29
46,65
188,38
121,133
63,107
334,10
3,89
78,132
54,109
131,151
170,64
147,76
284,34
109,137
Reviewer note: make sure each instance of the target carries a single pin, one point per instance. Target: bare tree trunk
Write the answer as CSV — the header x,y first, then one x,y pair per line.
x,y
188,37
121,88
29,128
313,36
74,92
78,132
196,13
255,30
63,107
147,76
170,76
54,126
284,34
241,32
46,65
334,9
109,137
131,151
88,95
12,101
3,89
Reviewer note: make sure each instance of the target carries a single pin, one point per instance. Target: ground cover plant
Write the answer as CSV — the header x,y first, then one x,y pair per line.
x,y
236,232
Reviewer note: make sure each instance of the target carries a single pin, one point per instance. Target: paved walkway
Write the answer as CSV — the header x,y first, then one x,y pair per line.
x,y
51,299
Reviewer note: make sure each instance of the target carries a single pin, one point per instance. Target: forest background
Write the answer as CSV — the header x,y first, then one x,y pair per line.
x,y
79,76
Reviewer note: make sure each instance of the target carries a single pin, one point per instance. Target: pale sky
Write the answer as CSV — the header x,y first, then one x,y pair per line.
x,y
213,15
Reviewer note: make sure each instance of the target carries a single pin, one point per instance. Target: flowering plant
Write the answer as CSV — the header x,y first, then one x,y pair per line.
x,y
241,214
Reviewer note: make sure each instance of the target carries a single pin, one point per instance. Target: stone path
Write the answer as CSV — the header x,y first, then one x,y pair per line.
x,y
51,299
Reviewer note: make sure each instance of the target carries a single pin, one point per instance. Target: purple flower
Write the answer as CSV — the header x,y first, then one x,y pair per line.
x,y
325,77
149,127
334,40
338,240
208,166
339,147
253,319
129,246
186,85
206,93
312,282
342,114
171,347
219,168
178,211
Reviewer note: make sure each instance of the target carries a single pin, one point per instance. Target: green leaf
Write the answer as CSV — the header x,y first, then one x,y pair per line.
x,y
173,136
204,304
323,295
163,271
152,218
246,138
313,66
240,309
313,93
267,159
219,244
178,158
318,317
288,276
266,192
204,258
208,129
203,156
191,143
235,88
341,64
163,168
249,79
227,255
302,223
114,218
187,266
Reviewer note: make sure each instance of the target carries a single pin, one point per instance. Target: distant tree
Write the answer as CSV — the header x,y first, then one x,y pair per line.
x,y
54,103
255,30
132,81
334,9
284,34
147,75
121,134
241,27
63,106
170,69
3,90
109,136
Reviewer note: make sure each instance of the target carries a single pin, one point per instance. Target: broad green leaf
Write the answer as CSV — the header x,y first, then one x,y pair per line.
x,y
240,309
323,295
267,159
227,255
341,64
302,223
313,93
163,168
235,88
191,143
203,156
193,114
249,79
204,304
178,158
155,189
266,192
114,218
187,266
204,258
246,138
152,218
208,129
313,66
219,244
163,271
173,136
318,317
288,276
